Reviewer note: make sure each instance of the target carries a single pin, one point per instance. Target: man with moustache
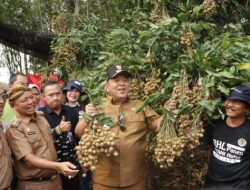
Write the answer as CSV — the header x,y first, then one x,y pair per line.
x,y
229,165
5,158
62,120
31,142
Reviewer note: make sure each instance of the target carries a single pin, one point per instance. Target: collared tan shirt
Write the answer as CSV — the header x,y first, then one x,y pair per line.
x,y
31,136
129,167
5,162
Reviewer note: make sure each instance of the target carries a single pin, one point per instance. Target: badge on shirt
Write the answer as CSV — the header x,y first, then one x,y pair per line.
x,y
15,123
30,131
242,142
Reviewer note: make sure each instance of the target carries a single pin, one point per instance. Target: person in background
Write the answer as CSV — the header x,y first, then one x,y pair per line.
x,y
18,78
128,170
62,120
5,157
229,165
31,142
37,94
73,92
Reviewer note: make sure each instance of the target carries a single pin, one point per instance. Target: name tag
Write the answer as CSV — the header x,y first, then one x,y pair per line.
x,y
30,131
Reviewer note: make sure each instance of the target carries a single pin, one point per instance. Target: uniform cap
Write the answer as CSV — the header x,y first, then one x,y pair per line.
x,y
241,92
74,84
115,70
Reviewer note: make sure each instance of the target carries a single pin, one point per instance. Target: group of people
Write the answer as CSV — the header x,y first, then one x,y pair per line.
x,y
40,141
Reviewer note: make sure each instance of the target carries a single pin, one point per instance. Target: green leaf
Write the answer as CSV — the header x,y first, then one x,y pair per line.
x,y
208,104
227,75
223,89
243,66
185,109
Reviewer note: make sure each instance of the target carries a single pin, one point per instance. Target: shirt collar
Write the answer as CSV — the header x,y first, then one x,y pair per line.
x,y
76,105
49,110
26,119
110,99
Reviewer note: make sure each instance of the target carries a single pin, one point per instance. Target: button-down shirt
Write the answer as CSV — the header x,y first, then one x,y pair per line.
x,y
5,161
31,135
65,143
129,167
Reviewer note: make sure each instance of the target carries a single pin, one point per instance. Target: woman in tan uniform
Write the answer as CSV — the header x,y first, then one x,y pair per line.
x,y
31,143
5,159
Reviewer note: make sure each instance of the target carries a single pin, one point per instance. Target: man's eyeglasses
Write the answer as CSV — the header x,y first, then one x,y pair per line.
x,y
3,96
121,119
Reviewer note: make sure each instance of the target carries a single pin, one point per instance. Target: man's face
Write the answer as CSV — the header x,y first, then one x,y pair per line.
x,y
53,96
25,104
21,80
118,87
3,97
235,108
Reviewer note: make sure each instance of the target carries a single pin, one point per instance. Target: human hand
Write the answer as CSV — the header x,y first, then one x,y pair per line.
x,y
64,126
68,169
91,109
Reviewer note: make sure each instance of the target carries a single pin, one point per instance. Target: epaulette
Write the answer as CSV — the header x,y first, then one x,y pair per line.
x,y
40,113
15,123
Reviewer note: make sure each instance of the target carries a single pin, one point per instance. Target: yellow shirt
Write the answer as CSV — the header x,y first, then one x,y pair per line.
x,y
129,167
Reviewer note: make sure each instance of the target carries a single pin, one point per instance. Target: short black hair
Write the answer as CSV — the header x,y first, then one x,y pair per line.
x,y
48,83
13,77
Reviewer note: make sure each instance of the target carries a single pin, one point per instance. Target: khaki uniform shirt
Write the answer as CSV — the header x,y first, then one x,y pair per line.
x,y
5,162
129,167
29,135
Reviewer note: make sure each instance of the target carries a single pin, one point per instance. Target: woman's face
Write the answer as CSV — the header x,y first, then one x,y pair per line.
x,y
73,95
36,94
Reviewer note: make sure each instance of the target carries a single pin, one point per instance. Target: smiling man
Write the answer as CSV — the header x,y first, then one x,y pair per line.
x,y
229,165
30,140
5,158
128,170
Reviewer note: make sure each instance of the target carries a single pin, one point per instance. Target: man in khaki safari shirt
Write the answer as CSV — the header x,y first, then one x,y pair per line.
x,y
127,171
5,158
31,143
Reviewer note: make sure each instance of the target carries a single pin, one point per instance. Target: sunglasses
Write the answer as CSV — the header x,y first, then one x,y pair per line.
x,y
121,119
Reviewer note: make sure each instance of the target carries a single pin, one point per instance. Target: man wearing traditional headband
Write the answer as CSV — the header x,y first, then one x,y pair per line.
x,y
31,143
5,158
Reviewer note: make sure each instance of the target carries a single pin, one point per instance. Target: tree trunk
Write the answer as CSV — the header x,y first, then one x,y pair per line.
x,y
77,7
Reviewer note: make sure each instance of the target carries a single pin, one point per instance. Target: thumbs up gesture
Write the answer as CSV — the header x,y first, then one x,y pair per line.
x,y
65,126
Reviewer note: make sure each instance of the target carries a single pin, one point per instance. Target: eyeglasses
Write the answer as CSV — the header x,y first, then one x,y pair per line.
x,y
121,119
3,96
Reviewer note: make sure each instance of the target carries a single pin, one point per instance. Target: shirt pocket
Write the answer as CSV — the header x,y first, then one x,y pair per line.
x,y
35,140
133,117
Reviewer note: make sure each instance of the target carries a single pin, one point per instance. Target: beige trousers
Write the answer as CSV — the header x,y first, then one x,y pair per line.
x,y
139,186
47,185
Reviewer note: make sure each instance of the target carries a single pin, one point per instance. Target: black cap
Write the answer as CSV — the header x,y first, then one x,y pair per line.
x,y
241,92
115,70
74,84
